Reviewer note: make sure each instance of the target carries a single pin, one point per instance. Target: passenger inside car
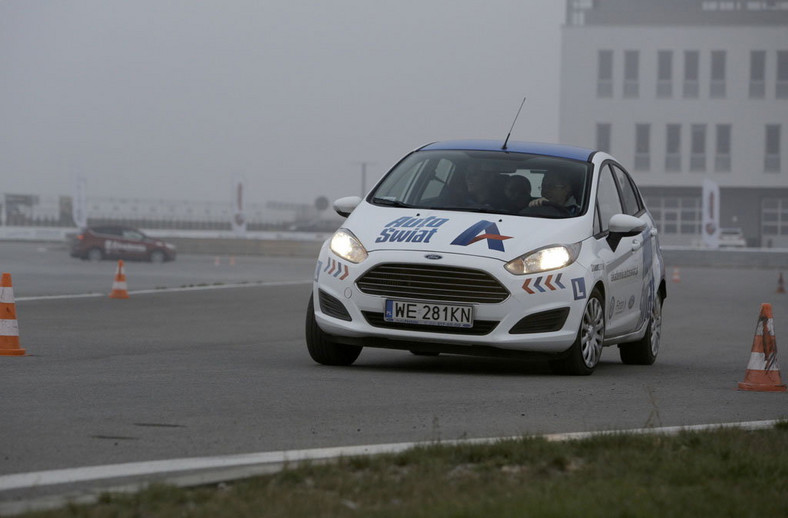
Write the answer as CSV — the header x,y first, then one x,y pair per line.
x,y
484,189
518,193
557,191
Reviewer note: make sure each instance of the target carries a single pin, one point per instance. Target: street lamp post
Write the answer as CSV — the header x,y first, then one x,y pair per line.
x,y
364,176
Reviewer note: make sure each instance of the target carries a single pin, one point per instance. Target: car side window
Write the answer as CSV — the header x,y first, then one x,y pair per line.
x,y
109,231
629,196
607,199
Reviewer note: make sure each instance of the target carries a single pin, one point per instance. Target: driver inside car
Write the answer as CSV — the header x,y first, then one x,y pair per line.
x,y
557,191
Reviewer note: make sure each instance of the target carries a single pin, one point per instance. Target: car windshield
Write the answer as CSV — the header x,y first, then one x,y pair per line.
x,y
487,181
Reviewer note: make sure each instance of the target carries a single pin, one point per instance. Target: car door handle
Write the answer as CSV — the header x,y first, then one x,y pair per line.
x,y
654,232
636,244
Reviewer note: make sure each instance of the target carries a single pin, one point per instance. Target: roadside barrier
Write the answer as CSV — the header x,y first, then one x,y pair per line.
x,y
9,327
780,284
676,276
119,289
763,373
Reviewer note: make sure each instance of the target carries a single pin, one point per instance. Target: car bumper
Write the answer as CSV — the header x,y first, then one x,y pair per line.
x,y
560,295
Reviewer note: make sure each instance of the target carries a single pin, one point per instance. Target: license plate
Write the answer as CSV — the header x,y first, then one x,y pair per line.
x,y
428,314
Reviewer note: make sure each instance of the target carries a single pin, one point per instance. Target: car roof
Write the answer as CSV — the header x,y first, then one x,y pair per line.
x,y
536,148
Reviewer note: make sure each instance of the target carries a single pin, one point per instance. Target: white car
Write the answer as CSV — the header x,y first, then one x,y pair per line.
x,y
732,238
454,252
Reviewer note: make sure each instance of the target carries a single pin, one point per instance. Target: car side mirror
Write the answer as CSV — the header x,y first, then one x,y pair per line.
x,y
626,225
344,206
623,225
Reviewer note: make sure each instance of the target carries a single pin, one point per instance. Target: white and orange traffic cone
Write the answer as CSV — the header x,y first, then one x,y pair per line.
x,y
780,284
9,327
676,276
763,373
119,289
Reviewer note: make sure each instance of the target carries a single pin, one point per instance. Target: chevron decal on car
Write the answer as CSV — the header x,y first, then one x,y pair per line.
x,y
552,282
336,269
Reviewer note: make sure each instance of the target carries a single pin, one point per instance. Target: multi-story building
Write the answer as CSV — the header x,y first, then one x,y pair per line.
x,y
681,91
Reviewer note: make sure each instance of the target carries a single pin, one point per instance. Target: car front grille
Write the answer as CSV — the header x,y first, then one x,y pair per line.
x,y
433,283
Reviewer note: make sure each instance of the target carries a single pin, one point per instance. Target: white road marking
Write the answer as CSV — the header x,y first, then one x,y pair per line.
x,y
169,290
281,458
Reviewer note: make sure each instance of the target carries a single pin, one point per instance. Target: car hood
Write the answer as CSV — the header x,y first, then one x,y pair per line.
x,y
497,236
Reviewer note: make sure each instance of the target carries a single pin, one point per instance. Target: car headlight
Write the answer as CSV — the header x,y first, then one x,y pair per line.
x,y
548,258
347,246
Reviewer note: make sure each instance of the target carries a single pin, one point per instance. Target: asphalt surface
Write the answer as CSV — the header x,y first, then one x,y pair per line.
x,y
46,269
187,373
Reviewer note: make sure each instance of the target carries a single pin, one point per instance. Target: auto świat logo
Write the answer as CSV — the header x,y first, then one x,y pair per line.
x,y
482,230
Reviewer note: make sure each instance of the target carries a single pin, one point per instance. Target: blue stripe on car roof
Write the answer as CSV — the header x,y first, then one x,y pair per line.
x,y
536,148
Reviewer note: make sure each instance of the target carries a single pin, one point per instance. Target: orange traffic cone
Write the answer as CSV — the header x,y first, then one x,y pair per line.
x,y
763,373
9,328
676,276
119,285
780,284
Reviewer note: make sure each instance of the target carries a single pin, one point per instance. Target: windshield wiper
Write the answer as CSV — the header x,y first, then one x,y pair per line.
x,y
391,203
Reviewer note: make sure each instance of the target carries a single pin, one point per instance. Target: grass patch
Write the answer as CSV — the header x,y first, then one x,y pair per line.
x,y
721,473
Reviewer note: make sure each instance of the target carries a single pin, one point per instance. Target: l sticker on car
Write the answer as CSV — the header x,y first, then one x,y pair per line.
x,y
579,288
482,230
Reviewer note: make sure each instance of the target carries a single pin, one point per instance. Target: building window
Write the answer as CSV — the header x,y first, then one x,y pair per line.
x,y
642,147
722,158
675,215
717,86
691,67
673,147
782,74
603,136
604,83
774,221
665,74
631,73
757,74
772,159
698,147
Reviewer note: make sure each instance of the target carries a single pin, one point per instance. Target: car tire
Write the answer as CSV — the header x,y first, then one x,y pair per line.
x,y
94,255
645,350
157,256
583,357
321,348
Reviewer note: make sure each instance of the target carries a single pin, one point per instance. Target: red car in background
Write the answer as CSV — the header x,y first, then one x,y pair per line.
x,y
119,242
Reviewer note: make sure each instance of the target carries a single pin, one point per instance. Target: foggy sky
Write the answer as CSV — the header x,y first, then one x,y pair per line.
x,y
171,99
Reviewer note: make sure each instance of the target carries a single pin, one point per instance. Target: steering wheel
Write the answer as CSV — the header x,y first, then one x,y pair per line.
x,y
560,208
548,209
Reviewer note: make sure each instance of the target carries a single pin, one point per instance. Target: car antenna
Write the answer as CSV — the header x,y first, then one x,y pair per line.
x,y
513,122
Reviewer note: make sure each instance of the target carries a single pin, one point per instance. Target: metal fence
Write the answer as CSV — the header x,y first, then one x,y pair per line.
x,y
56,211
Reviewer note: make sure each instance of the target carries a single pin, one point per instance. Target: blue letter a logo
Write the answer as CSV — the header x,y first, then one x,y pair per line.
x,y
482,230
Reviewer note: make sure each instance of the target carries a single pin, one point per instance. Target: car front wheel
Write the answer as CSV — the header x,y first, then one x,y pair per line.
x,y
321,348
157,256
645,350
583,357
